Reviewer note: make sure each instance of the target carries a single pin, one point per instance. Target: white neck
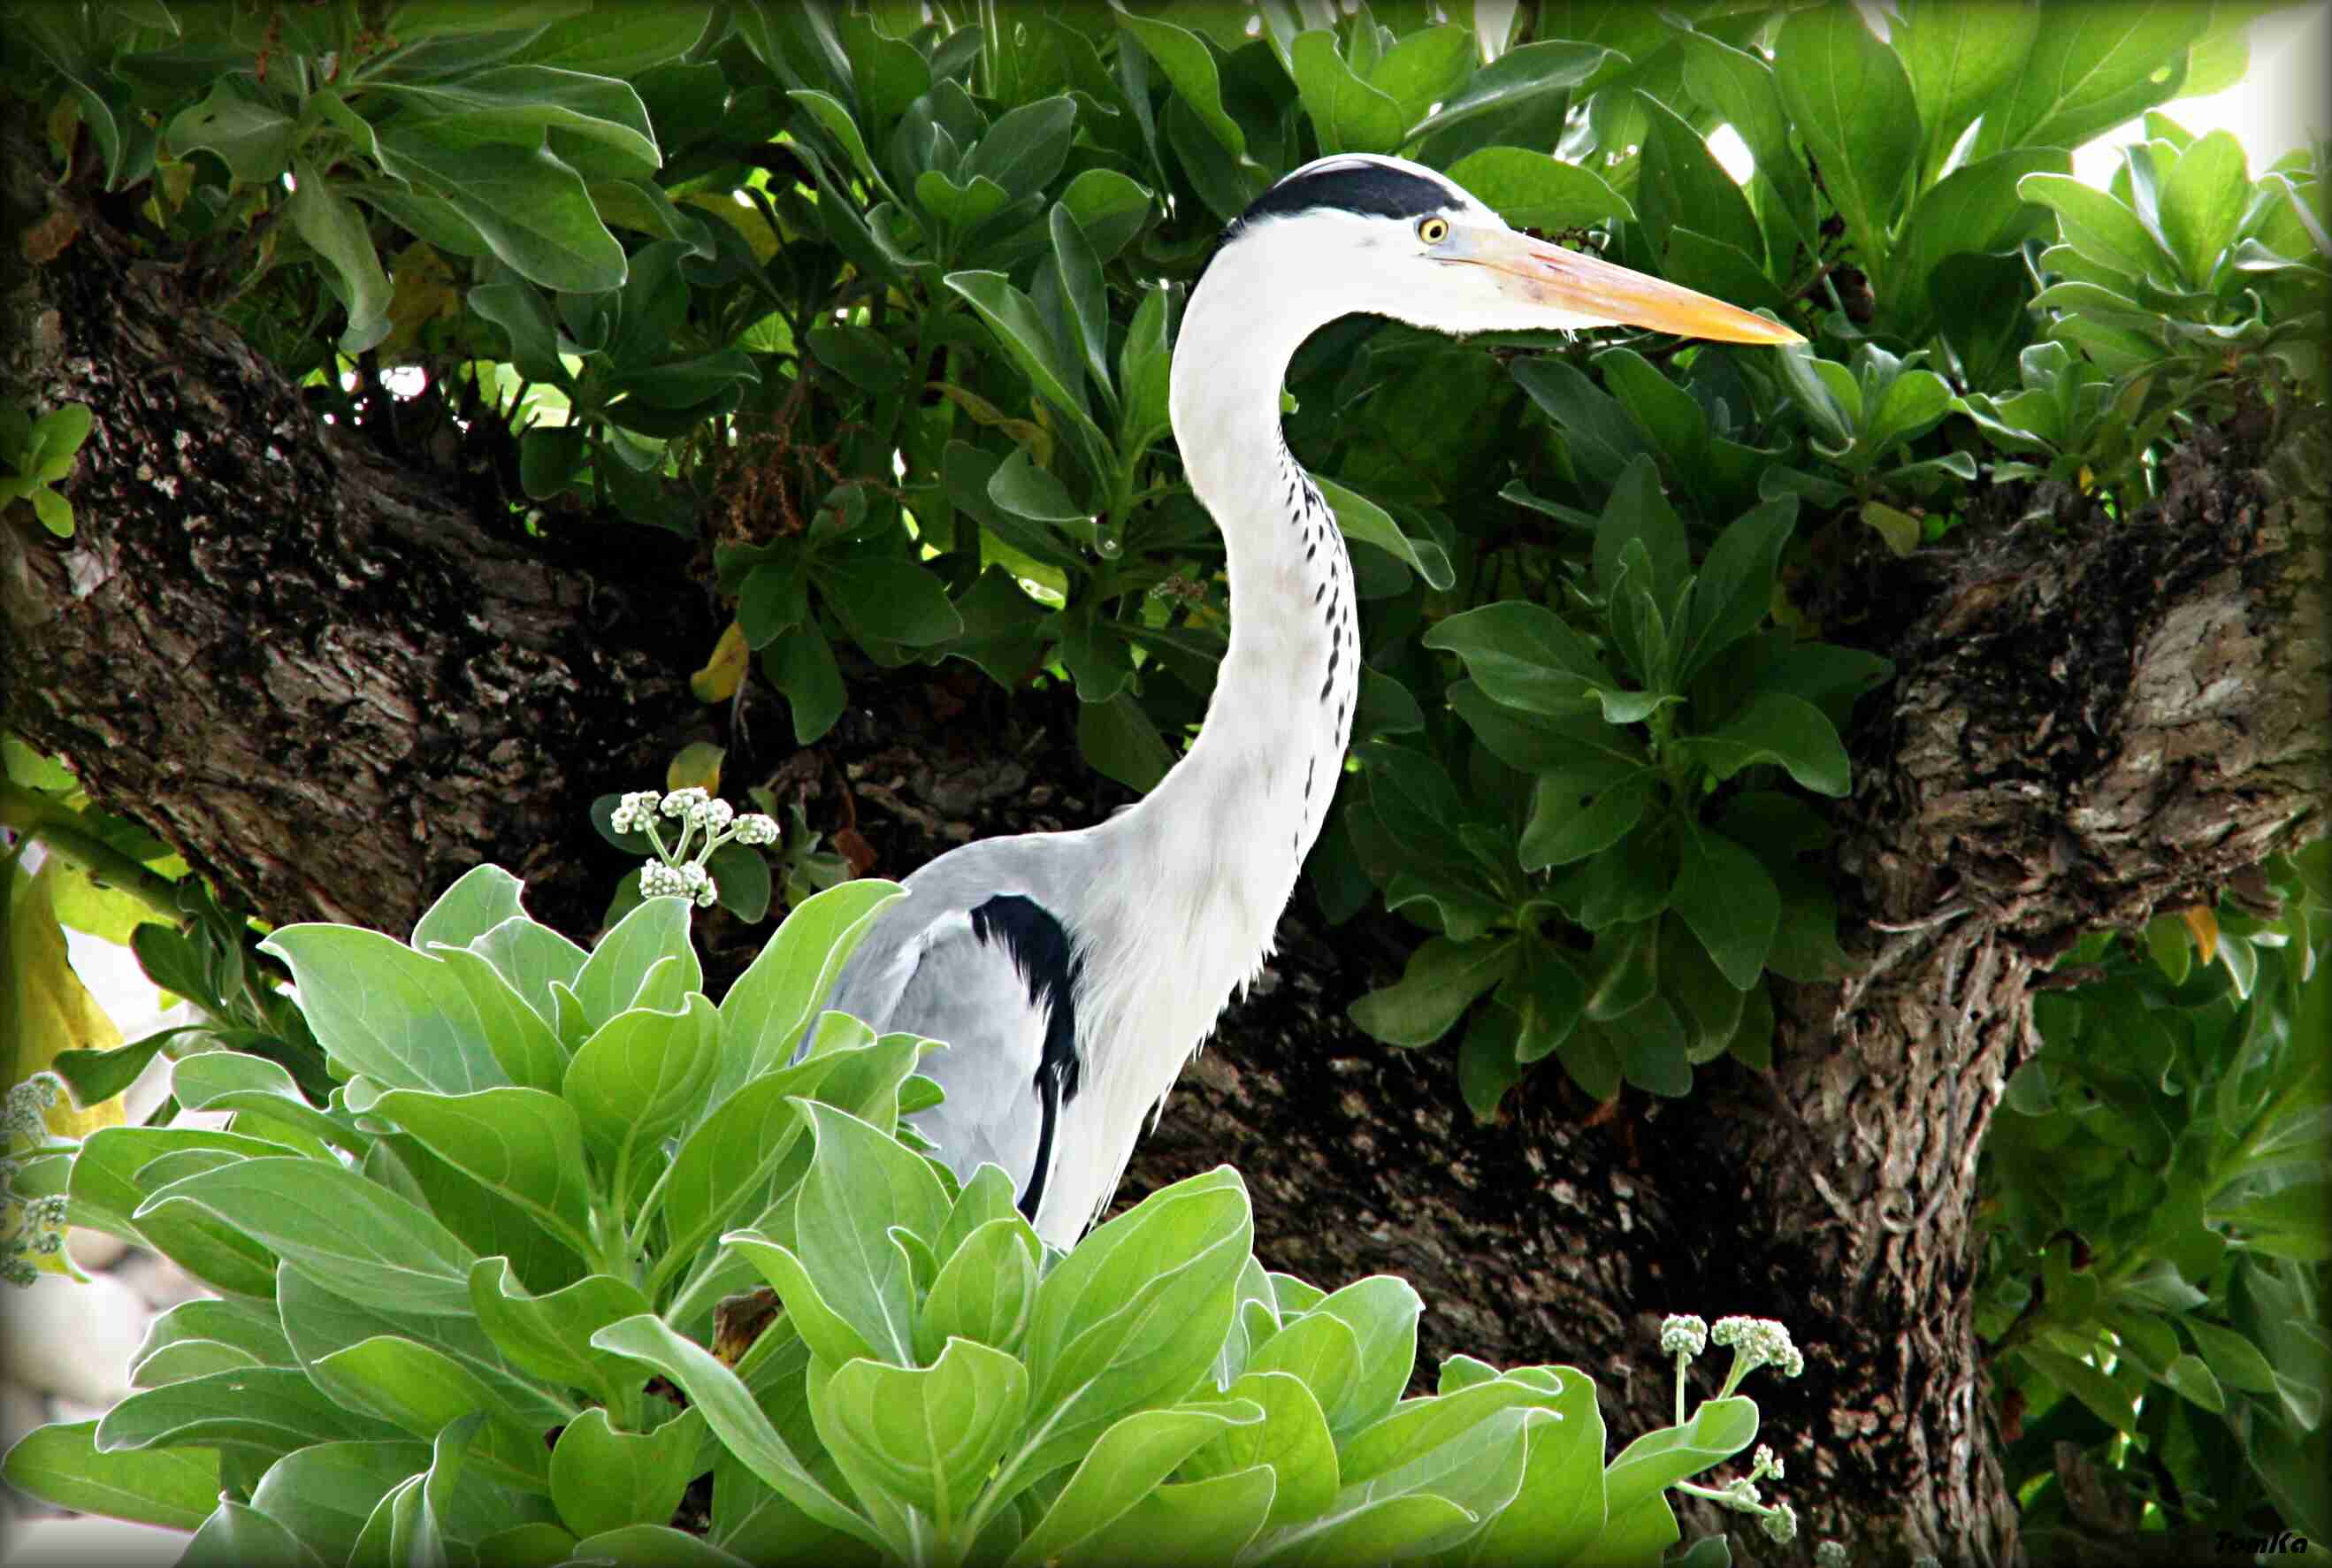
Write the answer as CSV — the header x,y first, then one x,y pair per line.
x,y
1216,847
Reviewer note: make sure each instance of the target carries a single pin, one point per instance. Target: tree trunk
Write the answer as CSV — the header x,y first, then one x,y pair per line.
x,y
336,679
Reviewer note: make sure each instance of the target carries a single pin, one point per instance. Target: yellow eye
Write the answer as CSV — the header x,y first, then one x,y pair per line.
x,y
1433,231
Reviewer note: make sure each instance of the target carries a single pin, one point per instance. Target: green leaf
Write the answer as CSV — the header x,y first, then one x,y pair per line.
x,y
354,1236
622,41
641,1074
1533,190
1724,895
1121,742
1665,410
1515,78
1024,150
531,209
1440,983
1976,207
602,1480
531,959
727,1160
926,1437
861,1185
380,1009
413,1386
323,1495
269,1410
1136,1314
1851,101
1681,184
1179,1523
1347,114
1361,519
1601,439
2105,1398
517,103
524,1143
1718,1429
1293,1438
763,1015
173,1488
1523,656
254,140
1078,272
2202,204
1734,589
1019,325
1958,57
1381,1311
893,600
2089,69
1639,513
1783,730
1574,817
801,665
984,1290
235,1535
731,1411
1739,85
1126,1463
1026,490
1190,65
621,968
1423,70
549,1336
2099,228
479,899
334,229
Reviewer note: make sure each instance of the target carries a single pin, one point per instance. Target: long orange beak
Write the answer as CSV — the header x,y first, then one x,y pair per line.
x,y
1587,291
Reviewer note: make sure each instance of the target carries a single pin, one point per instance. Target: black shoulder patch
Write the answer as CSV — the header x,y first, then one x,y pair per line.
x,y
1370,189
1038,943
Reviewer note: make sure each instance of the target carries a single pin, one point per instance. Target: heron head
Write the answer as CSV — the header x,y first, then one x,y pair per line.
x,y
1390,237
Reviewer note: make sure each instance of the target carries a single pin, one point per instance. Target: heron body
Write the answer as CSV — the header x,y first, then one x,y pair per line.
x,y
1074,974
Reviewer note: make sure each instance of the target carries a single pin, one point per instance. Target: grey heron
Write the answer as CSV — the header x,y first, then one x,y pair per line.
x,y
1074,974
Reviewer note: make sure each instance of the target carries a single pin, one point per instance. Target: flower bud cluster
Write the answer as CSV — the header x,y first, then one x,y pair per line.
x,y
1757,1342
1683,1334
677,870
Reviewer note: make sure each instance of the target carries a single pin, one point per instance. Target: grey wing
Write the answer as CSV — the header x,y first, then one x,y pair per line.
x,y
997,981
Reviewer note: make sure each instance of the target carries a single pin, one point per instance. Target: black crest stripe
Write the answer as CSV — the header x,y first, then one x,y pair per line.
x,y
1040,946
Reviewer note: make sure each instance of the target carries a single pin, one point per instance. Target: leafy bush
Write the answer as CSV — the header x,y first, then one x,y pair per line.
x,y
2158,1187
497,1301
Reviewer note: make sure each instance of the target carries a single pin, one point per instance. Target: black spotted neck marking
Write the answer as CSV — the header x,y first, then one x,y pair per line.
x,y
1309,513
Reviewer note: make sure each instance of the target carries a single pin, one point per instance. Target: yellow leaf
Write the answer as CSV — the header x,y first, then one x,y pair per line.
x,y
2204,924
424,293
747,221
45,1010
1899,529
697,767
718,680
82,903
1035,437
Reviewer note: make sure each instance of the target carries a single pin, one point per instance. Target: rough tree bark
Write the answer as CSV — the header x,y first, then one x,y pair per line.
x,y
334,680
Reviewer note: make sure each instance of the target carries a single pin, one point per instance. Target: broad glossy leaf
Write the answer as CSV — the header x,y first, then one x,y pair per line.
x,y
517,103
731,1411
2099,228
1958,57
549,1336
1126,1463
1734,591
2091,69
324,1495
531,209
612,979
235,1535
1680,183
1136,1312
1190,65
1739,85
1851,102
1023,151
1718,1429
1574,817
1347,114
174,1487
416,1388
926,1437
1783,730
1559,1507
1440,983
986,1287
354,1236
1513,78
765,1011
1723,893
1293,1438
524,1143
232,1081
603,1479
1534,190
380,1009
1359,517
861,1185
269,1410
1523,656
2202,202
893,600
334,228
253,140
643,1073
1976,207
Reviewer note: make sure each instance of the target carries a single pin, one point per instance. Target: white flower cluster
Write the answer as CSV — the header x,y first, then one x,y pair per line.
x,y
1683,1334
706,823
690,881
1758,1342
1780,1524
1765,1464
1830,1554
